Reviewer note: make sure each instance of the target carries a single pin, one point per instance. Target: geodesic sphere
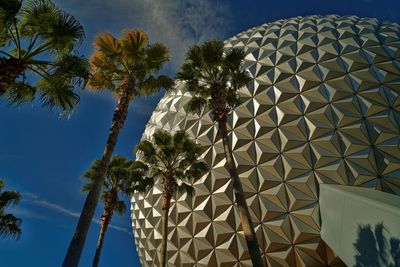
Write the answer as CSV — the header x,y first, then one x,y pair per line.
x,y
323,107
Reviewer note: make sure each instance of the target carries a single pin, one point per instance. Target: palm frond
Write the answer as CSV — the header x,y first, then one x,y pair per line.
x,y
156,56
197,170
179,139
36,17
232,99
146,150
10,226
20,93
196,104
133,41
153,85
239,79
194,56
162,138
57,92
185,188
120,207
212,53
8,198
73,67
234,58
64,32
9,10
107,44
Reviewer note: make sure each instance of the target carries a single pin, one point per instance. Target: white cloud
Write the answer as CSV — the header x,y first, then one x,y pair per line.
x,y
176,23
36,200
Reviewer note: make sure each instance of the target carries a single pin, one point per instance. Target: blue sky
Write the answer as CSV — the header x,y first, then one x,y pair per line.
x,y
43,156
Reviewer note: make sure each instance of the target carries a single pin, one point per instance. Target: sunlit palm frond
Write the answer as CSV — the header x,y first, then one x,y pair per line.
x,y
107,44
133,42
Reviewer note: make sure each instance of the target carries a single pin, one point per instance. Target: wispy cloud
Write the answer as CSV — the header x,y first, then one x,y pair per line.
x,y
34,199
176,23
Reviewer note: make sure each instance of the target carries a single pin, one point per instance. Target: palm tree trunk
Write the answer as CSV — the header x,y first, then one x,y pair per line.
x,y
10,69
78,240
166,205
247,223
105,221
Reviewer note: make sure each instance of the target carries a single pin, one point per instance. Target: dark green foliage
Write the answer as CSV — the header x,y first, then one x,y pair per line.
x,y
9,224
209,72
33,31
123,176
176,154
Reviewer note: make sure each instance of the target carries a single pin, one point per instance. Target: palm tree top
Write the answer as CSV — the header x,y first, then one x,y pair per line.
x,y
209,72
130,57
38,38
123,176
175,155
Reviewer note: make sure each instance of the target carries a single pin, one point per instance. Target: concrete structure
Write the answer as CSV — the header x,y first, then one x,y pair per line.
x,y
323,108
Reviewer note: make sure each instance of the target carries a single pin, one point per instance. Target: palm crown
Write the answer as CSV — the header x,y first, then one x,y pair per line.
x,y
38,38
9,224
173,158
129,61
213,76
123,176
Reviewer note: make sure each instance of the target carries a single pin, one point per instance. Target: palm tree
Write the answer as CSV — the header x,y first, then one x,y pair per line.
x,y
123,177
125,67
38,38
9,224
173,158
214,76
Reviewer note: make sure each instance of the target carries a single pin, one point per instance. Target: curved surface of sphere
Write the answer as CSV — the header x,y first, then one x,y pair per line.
x,y
322,107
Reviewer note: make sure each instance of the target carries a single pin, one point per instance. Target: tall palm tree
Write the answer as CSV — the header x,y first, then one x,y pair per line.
x,y
214,76
9,224
173,158
123,177
125,67
38,38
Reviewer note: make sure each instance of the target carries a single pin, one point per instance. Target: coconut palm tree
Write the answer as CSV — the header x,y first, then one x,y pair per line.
x,y
126,67
39,39
9,224
123,177
173,158
214,76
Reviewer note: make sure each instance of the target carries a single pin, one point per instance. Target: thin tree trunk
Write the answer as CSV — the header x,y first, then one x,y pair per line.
x,y
10,69
245,218
78,240
105,221
166,205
